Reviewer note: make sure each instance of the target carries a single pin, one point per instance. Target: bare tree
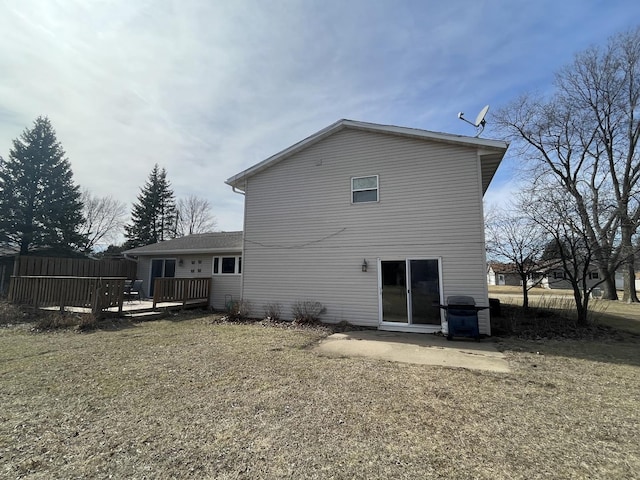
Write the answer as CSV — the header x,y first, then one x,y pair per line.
x,y
104,218
516,238
584,140
194,216
605,84
555,211
556,144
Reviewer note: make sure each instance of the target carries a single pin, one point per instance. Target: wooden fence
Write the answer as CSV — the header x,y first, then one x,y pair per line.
x,y
97,293
194,291
73,267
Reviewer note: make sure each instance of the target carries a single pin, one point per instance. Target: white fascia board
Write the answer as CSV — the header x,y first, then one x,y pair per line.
x,y
195,251
491,145
234,180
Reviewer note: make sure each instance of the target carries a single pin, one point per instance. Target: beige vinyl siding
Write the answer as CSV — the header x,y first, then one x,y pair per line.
x,y
304,239
144,273
201,266
222,286
225,288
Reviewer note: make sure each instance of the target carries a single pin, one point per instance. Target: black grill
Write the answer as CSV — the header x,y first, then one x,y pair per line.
x,y
462,317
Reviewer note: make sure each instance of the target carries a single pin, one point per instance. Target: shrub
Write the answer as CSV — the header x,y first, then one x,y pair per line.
x,y
87,322
272,312
10,314
238,310
54,320
307,311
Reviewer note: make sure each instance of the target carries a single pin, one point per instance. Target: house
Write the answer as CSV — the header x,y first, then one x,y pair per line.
x,y
507,274
375,222
557,279
217,255
503,274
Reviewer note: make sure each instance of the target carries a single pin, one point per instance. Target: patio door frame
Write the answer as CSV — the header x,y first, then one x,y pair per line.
x,y
164,270
408,326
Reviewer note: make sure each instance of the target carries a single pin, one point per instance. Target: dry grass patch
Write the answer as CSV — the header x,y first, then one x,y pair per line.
x,y
607,313
194,399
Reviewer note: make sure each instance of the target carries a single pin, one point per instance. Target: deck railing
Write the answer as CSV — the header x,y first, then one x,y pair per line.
x,y
97,293
185,290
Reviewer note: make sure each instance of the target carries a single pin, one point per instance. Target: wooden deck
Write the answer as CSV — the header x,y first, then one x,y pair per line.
x,y
105,296
136,307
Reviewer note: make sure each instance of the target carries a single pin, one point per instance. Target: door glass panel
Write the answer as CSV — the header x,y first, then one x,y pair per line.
x,y
394,291
425,291
156,271
169,268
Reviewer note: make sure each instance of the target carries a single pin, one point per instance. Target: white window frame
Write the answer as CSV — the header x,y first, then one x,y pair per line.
x,y
377,189
237,268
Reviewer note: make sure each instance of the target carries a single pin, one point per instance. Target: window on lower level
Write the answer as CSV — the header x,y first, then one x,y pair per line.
x,y
227,265
364,189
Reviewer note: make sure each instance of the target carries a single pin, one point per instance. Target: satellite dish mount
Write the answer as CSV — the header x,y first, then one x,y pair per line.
x,y
480,120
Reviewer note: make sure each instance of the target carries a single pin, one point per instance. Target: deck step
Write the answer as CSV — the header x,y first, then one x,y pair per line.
x,y
138,310
144,315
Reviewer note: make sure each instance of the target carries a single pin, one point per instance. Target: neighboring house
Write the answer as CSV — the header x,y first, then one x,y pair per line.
x,y
503,274
217,255
376,222
507,274
491,275
620,280
557,279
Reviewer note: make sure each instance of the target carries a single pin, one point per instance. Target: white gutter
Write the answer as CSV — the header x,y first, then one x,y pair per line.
x,y
127,257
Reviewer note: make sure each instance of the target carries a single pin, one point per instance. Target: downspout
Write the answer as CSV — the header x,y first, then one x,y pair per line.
x,y
244,229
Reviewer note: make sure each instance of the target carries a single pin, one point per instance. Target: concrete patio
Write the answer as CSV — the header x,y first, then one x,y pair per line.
x,y
426,349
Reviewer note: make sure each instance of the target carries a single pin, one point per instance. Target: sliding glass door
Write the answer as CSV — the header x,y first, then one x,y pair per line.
x,y
409,289
162,267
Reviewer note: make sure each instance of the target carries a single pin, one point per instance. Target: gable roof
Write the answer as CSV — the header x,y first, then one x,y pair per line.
x,y
503,267
491,151
197,243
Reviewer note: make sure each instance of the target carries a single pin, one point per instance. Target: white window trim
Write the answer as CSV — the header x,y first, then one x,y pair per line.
x,y
377,189
236,266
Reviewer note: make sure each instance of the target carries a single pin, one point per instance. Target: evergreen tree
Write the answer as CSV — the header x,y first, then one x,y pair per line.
x,y
153,216
40,205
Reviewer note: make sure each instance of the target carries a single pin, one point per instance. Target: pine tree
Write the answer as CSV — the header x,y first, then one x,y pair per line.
x,y
153,216
40,205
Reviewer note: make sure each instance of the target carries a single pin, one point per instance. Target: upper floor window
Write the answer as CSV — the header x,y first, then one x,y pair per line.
x,y
364,189
227,265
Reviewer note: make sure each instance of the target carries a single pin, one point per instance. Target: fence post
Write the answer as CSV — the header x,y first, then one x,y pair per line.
x,y
97,299
36,297
185,290
156,286
120,296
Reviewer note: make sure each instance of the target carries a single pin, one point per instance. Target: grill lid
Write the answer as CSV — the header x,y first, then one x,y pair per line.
x,y
461,300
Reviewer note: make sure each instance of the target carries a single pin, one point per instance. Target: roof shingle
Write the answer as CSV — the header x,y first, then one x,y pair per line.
x,y
197,243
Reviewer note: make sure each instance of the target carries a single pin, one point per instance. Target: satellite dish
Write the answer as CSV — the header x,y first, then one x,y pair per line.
x,y
480,120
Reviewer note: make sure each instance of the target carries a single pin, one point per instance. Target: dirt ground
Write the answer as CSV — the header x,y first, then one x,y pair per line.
x,y
188,398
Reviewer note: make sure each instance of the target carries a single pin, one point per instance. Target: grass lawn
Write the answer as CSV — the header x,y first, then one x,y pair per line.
x,y
183,398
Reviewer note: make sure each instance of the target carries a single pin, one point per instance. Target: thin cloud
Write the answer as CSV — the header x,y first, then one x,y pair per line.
x,y
207,89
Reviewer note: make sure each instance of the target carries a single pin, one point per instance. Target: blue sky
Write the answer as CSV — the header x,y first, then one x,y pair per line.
x,y
208,88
